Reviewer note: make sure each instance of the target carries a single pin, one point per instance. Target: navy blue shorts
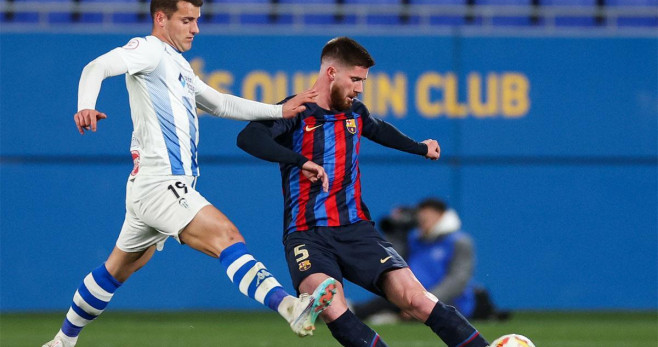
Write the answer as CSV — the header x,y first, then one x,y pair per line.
x,y
355,252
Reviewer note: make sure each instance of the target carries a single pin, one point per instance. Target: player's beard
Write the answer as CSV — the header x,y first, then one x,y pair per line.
x,y
340,101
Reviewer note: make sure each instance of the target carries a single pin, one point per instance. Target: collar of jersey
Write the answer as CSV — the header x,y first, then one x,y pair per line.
x,y
313,119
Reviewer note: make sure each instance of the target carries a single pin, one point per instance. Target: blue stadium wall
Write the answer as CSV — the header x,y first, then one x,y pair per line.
x,y
549,154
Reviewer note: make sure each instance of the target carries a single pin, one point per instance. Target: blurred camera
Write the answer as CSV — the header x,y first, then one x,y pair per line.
x,y
401,220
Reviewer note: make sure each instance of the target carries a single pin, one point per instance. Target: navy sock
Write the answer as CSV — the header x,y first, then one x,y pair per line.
x,y
453,328
351,332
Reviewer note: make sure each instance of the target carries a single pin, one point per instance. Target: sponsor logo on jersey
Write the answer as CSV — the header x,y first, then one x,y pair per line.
x,y
383,260
350,124
309,128
187,83
183,202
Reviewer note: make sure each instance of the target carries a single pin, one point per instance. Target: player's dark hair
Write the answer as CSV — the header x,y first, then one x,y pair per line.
x,y
170,6
434,204
347,52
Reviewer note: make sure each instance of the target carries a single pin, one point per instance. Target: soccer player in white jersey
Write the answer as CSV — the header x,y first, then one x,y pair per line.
x,y
161,200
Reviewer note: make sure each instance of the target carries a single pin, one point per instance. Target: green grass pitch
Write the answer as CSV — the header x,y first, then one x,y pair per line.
x,y
264,329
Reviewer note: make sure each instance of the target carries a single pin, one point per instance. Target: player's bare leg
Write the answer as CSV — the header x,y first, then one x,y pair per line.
x,y
345,327
121,265
95,292
339,303
212,233
404,290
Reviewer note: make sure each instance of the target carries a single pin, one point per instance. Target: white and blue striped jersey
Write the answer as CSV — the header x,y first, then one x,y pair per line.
x,y
162,88
164,93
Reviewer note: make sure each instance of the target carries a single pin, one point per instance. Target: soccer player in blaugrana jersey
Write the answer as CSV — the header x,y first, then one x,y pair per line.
x,y
328,231
161,200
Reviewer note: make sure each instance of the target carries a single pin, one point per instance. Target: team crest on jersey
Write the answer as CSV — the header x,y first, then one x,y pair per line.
x,y
135,155
304,265
350,124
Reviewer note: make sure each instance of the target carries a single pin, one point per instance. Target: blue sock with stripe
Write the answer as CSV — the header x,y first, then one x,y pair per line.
x,y
89,301
251,277
350,331
453,328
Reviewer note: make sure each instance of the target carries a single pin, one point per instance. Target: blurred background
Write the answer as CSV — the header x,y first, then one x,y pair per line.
x,y
546,112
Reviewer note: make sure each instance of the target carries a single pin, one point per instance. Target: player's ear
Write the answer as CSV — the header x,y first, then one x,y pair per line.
x,y
159,18
331,73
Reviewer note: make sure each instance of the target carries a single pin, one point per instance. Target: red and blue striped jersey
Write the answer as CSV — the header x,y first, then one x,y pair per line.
x,y
332,140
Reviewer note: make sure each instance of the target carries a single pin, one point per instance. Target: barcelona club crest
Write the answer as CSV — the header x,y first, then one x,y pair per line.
x,y
304,265
350,124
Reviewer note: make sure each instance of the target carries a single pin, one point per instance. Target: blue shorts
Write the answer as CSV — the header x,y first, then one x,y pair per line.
x,y
355,252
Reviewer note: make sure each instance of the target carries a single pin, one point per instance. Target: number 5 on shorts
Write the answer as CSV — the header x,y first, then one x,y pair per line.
x,y
301,257
300,253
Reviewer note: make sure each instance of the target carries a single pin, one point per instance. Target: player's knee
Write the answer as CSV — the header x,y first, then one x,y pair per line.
x,y
408,299
210,243
222,237
417,303
226,232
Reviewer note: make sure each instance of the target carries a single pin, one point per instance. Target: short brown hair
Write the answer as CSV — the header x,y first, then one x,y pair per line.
x,y
170,6
347,52
434,204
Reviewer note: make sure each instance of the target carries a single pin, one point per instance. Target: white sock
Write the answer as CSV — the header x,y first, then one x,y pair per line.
x,y
68,339
286,306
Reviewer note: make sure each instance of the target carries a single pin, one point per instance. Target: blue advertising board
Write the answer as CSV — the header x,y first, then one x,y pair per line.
x,y
549,154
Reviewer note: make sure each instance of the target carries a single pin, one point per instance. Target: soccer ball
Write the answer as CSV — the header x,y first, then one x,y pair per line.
x,y
513,340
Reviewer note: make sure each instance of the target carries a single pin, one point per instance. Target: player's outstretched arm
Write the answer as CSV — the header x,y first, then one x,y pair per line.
x,y
433,149
387,135
295,105
233,107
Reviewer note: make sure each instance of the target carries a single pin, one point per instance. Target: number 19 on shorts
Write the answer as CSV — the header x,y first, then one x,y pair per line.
x,y
176,188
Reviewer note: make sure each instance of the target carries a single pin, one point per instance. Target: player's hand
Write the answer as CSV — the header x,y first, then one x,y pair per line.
x,y
296,104
86,120
314,173
433,149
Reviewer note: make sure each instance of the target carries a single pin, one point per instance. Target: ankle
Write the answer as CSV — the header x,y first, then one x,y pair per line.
x,y
286,306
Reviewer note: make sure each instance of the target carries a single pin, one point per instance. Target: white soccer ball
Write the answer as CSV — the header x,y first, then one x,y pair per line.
x,y
513,340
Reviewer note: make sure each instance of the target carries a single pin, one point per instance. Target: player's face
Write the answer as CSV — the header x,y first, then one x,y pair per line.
x,y
183,25
347,85
427,219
